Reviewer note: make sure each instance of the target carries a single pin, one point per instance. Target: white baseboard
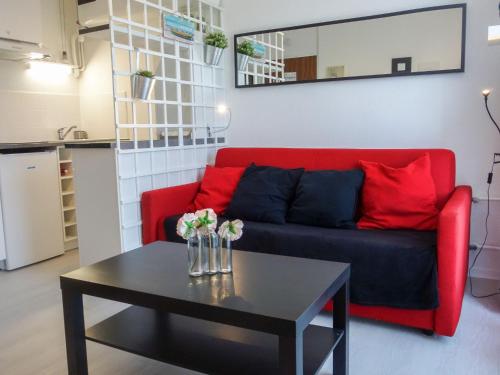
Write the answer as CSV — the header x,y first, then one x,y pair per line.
x,y
488,263
485,273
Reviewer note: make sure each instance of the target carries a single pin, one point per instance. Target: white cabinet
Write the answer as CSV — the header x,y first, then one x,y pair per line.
x,y
95,13
21,20
97,210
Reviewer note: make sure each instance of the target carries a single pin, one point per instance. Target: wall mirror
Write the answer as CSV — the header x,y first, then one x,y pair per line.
x,y
412,42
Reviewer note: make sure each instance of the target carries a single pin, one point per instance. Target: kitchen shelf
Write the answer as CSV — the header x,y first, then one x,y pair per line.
x,y
67,192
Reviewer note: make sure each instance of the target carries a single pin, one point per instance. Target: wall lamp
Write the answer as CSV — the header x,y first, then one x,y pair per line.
x,y
222,109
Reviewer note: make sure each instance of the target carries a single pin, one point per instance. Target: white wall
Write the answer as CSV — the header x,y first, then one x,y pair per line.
x,y
300,43
424,111
96,90
431,39
32,109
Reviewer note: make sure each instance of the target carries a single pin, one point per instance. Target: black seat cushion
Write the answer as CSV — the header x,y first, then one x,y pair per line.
x,y
388,267
327,199
263,194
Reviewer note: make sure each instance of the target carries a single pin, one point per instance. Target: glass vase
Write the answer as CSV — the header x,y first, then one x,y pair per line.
x,y
226,256
195,259
209,244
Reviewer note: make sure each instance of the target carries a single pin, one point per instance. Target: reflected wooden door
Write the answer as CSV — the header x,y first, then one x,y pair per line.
x,y
305,67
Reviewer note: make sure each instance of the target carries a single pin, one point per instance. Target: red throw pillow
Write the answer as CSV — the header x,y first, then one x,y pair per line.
x,y
399,198
217,188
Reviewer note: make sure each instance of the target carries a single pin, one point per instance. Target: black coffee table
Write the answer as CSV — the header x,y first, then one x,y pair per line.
x,y
255,321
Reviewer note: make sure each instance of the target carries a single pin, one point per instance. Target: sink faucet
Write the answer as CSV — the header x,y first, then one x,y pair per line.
x,y
62,134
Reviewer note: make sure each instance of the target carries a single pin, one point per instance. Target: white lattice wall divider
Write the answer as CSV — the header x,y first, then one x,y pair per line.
x,y
163,141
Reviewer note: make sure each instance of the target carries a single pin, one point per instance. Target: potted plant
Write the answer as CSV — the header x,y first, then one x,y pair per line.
x,y
245,51
215,43
142,84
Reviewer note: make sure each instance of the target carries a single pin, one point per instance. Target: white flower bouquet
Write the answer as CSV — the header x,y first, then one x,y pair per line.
x,y
205,251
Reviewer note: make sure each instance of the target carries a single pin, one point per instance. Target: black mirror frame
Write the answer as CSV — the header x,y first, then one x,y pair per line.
x,y
462,6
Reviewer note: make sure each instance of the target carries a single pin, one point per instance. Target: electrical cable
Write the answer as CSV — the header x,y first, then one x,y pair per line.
x,y
490,175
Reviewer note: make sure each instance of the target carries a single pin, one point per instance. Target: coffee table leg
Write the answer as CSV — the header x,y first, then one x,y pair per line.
x,y
291,355
341,321
74,327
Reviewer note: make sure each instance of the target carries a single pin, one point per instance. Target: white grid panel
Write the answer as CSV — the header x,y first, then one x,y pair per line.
x,y
162,141
269,69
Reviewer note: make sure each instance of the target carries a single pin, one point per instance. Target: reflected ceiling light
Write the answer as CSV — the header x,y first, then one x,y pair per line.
x,y
494,34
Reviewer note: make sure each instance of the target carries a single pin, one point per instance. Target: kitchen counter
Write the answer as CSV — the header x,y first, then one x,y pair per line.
x,y
26,147
91,143
17,148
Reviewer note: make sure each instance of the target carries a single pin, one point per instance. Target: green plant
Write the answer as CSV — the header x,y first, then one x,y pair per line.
x,y
145,73
216,39
246,48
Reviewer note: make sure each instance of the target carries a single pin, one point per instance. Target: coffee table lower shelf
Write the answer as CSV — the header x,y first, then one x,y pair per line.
x,y
206,346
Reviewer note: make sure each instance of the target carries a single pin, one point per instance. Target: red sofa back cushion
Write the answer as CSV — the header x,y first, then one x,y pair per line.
x,y
217,188
442,161
399,198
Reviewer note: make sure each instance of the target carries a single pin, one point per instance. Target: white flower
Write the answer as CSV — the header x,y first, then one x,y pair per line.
x,y
186,226
231,230
207,221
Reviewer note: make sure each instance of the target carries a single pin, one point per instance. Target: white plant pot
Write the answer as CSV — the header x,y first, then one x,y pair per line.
x,y
213,55
242,62
142,87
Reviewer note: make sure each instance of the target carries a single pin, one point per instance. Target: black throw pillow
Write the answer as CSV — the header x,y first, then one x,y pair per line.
x,y
263,194
327,199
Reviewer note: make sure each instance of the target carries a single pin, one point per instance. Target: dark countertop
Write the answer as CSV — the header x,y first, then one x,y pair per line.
x,y
25,147
91,143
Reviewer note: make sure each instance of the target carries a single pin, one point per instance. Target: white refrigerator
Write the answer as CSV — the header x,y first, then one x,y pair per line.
x,y
30,212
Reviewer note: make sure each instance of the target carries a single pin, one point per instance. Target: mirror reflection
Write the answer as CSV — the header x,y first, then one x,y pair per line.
x,y
413,42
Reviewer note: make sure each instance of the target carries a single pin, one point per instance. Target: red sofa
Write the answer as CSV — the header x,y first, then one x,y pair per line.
x,y
452,233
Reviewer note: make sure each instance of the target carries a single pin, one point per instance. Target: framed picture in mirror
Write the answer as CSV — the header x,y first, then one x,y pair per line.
x,y
401,65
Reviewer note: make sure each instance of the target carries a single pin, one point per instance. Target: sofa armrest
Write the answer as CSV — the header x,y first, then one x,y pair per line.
x,y
156,205
453,237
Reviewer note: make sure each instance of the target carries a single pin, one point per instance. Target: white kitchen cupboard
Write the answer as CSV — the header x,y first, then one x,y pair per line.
x,y
31,207
21,20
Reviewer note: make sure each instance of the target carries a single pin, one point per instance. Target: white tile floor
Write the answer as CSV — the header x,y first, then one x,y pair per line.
x,y
32,337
